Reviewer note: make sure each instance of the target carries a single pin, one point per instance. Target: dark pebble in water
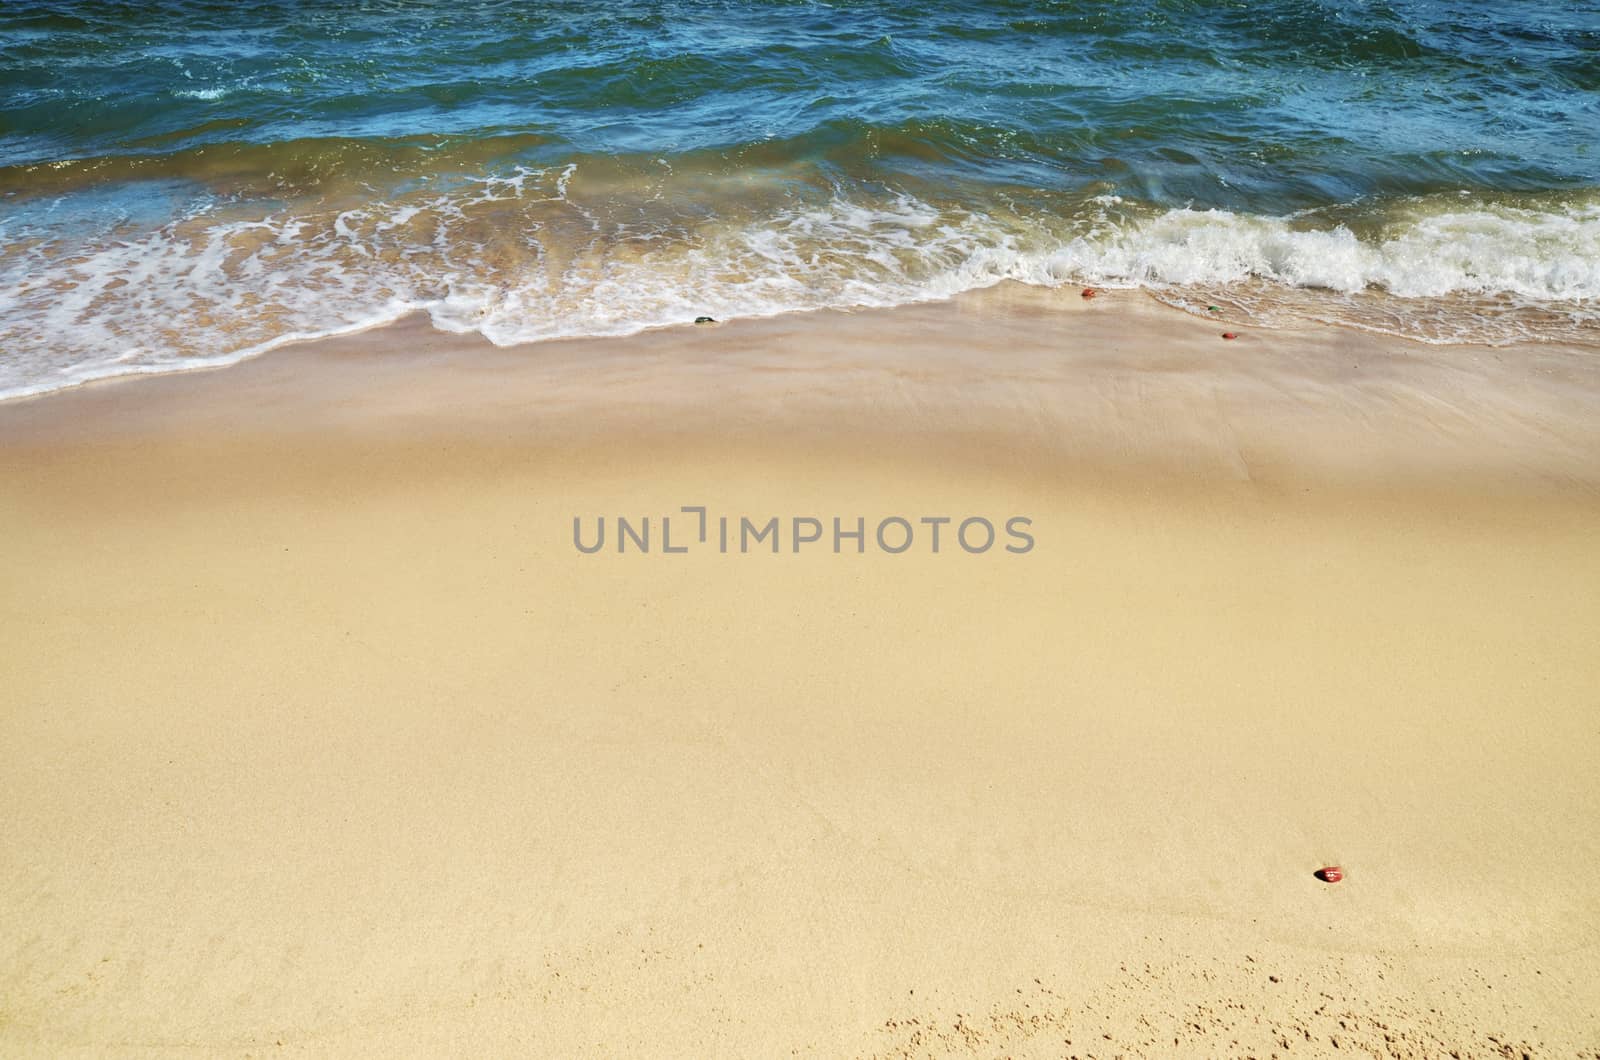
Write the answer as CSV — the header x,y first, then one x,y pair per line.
x,y
705,320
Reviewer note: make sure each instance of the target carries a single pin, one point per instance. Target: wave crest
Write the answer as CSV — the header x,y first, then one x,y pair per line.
x,y
533,254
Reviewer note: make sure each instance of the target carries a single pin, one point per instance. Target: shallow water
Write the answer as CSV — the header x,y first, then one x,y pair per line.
x,y
191,182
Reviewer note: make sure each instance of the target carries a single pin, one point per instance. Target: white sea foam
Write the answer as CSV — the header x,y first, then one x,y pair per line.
x,y
207,94
1543,255
518,259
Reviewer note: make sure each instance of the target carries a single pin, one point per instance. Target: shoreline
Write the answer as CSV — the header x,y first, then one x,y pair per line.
x,y
413,322
1129,352
321,735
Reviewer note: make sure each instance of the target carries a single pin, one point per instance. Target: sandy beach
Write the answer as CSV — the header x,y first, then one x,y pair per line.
x,y
319,735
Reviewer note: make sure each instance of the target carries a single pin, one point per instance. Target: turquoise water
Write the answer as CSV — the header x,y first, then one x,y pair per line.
x,y
191,182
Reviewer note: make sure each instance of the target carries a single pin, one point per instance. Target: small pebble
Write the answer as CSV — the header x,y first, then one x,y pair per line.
x,y
1229,335
705,320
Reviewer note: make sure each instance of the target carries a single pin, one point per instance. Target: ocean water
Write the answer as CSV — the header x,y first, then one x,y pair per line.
x,y
187,182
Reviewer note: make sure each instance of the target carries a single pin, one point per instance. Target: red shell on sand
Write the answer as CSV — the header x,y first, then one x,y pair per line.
x,y
1089,292
1229,335
1330,874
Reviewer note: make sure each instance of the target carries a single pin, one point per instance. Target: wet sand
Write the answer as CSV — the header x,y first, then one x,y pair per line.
x,y
318,734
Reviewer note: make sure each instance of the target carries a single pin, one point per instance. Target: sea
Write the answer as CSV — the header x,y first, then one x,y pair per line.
x,y
186,183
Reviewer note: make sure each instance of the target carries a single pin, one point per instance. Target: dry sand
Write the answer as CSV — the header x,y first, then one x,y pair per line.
x,y
318,735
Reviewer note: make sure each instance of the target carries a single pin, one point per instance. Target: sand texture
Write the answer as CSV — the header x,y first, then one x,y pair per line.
x,y
318,735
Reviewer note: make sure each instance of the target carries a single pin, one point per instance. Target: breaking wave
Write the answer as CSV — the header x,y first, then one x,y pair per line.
x,y
90,289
